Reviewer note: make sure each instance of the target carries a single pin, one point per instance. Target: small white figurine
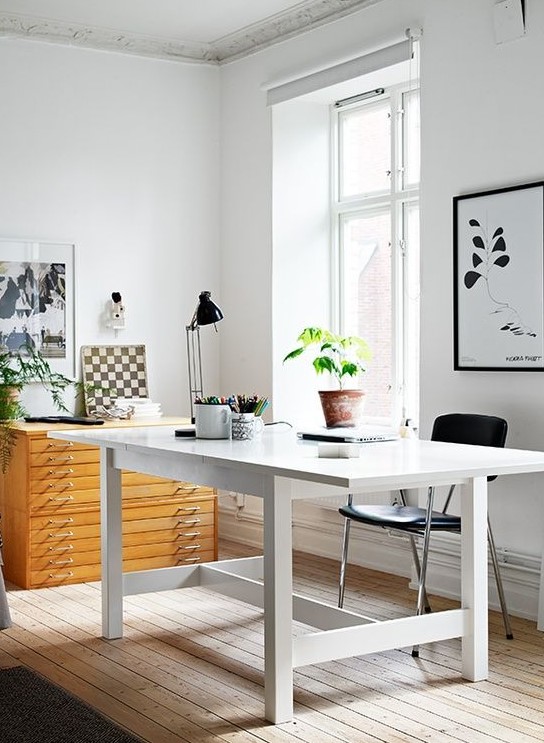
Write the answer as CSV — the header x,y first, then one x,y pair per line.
x,y
117,311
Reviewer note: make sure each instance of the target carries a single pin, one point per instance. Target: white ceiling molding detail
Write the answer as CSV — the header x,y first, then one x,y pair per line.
x,y
55,32
282,26
306,15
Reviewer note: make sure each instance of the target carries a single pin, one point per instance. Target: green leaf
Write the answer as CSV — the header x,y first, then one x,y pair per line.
x,y
309,336
325,364
348,367
294,354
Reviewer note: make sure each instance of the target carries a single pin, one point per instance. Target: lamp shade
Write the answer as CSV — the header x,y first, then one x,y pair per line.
x,y
207,312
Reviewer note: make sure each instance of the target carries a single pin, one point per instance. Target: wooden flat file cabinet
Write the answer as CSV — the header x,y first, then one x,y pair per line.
x,y
50,508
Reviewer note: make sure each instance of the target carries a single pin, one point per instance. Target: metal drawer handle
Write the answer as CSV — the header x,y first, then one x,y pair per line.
x,y
189,508
61,485
63,499
69,471
63,445
69,458
190,559
61,534
69,561
190,547
189,534
189,521
187,487
64,548
69,520
69,574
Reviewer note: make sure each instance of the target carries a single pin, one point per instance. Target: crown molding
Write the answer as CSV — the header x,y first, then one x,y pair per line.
x,y
282,26
90,37
305,16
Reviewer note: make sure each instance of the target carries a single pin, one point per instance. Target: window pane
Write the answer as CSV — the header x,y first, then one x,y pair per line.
x,y
366,269
365,150
410,138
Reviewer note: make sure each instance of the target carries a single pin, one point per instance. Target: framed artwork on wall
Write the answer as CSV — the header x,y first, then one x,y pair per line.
x,y
37,300
498,241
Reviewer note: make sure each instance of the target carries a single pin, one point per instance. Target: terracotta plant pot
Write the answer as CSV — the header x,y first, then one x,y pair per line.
x,y
342,408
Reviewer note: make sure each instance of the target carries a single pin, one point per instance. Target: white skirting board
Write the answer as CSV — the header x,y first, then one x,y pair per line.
x,y
319,531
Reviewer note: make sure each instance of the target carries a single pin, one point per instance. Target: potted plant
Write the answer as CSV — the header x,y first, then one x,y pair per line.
x,y
16,371
343,357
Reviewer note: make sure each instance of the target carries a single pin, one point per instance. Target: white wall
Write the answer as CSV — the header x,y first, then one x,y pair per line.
x,y
119,155
301,266
482,116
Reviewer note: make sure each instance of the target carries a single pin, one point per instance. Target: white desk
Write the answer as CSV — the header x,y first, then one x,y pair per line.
x,y
267,468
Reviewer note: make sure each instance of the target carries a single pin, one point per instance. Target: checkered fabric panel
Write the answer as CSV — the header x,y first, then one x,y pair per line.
x,y
114,371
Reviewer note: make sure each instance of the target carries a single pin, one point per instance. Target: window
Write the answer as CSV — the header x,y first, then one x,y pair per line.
x,y
375,213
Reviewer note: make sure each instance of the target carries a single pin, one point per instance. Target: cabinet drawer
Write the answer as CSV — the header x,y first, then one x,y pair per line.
x,y
78,574
64,458
44,444
59,577
76,557
167,561
65,470
70,541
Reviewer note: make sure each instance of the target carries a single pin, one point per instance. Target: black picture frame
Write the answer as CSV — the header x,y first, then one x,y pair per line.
x,y
498,293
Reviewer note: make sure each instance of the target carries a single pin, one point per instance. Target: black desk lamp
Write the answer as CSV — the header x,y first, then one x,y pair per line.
x,y
206,313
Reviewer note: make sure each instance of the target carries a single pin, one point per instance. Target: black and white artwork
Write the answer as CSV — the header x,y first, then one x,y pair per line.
x,y
37,300
499,279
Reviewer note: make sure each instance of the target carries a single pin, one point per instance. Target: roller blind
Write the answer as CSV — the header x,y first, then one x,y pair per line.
x,y
284,91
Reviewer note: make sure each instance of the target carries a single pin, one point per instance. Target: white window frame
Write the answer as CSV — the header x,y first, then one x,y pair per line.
x,y
394,201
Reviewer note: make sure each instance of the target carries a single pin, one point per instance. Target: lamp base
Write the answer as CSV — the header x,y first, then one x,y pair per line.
x,y
185,433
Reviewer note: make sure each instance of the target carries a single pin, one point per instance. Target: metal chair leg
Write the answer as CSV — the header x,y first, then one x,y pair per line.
x,y
345,544
498,580
424,561
415,555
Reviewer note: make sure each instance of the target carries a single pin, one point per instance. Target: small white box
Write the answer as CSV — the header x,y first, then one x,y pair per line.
x,y
338,451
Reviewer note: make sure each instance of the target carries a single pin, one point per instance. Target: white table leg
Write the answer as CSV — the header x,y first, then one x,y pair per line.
x,y
474,588
278,601
111,546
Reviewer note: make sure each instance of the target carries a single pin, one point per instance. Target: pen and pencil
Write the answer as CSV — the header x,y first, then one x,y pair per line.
x,y
237,403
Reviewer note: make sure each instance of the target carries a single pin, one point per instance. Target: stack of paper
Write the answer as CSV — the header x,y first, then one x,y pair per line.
x,y
143,407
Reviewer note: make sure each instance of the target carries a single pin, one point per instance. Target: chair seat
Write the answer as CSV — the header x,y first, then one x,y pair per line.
x,y
406,518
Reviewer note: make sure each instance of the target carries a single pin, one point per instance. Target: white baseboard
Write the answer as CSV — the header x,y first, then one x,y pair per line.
x,y
319,531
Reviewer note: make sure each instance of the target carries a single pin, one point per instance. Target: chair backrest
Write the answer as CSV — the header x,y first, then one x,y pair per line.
x,y
470,428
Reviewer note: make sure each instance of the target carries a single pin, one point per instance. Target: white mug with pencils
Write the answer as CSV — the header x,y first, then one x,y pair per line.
x,y
246,423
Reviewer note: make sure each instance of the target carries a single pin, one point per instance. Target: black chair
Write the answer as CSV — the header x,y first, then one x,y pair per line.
x,y
456,428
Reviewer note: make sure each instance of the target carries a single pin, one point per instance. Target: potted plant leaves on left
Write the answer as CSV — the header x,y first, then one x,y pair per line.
x,y
17,370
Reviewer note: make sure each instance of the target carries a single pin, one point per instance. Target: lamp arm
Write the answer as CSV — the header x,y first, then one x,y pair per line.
x,y
194,361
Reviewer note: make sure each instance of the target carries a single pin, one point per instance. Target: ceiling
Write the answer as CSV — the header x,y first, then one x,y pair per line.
x,y
211,31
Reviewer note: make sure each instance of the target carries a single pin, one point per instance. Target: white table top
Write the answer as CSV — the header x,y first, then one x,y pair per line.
x,y
381,465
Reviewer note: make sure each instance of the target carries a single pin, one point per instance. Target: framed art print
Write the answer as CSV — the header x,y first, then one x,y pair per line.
x,y
499,279
37,300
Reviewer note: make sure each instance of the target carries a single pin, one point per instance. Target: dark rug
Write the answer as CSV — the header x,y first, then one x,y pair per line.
x,y
33,710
